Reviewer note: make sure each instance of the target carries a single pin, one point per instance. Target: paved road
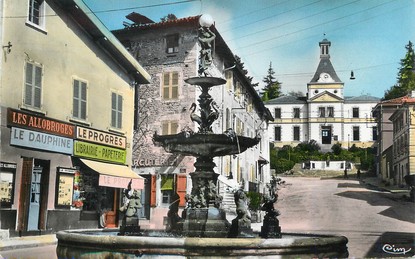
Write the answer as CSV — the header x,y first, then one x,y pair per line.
x,y
376,223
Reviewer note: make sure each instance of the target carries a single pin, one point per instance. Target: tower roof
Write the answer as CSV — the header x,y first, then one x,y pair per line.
x,y
325,67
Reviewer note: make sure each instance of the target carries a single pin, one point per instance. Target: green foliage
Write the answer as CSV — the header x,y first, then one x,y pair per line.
x,y
272,88
406,76
284,159
311,146
337,149
255,199
169,17
283,165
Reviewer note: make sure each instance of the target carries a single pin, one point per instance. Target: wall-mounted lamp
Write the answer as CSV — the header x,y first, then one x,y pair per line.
x,y
8,47
352,75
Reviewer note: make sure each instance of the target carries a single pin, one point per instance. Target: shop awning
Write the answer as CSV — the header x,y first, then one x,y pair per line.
x,y
117,176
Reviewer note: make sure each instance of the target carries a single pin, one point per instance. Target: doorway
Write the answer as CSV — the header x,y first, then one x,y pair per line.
x,y
326,134
33,195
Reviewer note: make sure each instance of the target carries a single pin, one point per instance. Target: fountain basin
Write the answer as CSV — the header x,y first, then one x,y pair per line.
x,y
100,244
204,145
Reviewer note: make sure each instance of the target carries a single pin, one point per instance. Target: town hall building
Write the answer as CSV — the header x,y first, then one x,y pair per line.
x,y
325,114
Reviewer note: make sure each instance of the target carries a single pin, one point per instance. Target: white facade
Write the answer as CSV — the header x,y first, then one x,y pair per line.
x,y
325,114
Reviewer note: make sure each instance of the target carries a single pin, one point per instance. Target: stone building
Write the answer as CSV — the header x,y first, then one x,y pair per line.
x,y
66,109
169,52
325,114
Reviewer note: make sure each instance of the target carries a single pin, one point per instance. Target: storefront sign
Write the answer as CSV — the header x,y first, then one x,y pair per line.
x,y
6,165
33,122
99,152
120,182
39,140
100,137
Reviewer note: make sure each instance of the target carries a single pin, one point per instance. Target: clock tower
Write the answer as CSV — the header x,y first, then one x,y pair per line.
x,y
325,101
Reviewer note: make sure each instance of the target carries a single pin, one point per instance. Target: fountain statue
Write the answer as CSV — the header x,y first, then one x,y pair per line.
x,y
132,204
202,229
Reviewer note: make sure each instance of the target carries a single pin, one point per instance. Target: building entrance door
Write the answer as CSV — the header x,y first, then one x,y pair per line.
x,y
34,203
326,135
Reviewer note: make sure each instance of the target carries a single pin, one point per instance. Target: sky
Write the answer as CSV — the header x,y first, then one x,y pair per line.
x,y
367,36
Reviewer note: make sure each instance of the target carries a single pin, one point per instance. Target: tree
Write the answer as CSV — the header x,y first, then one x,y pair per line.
x,y
406,75
169,17
272,88
296,93
240,65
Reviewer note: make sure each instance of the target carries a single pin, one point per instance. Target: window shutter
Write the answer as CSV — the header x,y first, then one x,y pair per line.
x,y
113,109
29,83
75,106
153,191
83,100
119,112
181,181
175,85
166,82
38,87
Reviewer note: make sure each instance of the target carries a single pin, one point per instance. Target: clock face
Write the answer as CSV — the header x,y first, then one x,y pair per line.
x,y
324,78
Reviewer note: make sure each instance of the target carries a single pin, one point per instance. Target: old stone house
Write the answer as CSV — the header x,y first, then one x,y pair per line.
x,y
169,52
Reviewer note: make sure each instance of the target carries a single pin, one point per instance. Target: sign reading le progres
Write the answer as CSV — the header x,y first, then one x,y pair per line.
x,y
100,137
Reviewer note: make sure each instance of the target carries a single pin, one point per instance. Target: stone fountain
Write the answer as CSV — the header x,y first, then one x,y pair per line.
x,y
203,230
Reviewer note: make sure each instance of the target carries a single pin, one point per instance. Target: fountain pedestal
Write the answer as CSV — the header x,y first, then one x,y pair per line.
x,y
205,222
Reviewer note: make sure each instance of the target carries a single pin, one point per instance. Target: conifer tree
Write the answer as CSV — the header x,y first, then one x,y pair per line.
x,y
406,76
272,88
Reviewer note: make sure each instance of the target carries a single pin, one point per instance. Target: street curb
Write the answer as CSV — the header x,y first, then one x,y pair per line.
x,y
27,242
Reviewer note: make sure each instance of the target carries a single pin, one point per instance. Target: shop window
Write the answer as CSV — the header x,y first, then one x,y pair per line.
x,y
172,43
7,180
116,110
167,182
33,86
36,14
170,85
172,187
79,100
67,188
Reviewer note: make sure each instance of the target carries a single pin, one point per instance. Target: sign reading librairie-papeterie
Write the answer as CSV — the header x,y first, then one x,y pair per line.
x,y
99,152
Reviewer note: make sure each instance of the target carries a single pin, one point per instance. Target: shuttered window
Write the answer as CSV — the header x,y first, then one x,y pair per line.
x,y
79,99
170,85
116,110
33,85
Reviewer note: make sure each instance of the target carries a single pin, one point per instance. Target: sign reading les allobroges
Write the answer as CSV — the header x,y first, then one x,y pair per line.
x,y
26,120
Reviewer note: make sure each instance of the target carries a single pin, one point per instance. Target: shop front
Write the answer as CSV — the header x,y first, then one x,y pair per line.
x,y
55,175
